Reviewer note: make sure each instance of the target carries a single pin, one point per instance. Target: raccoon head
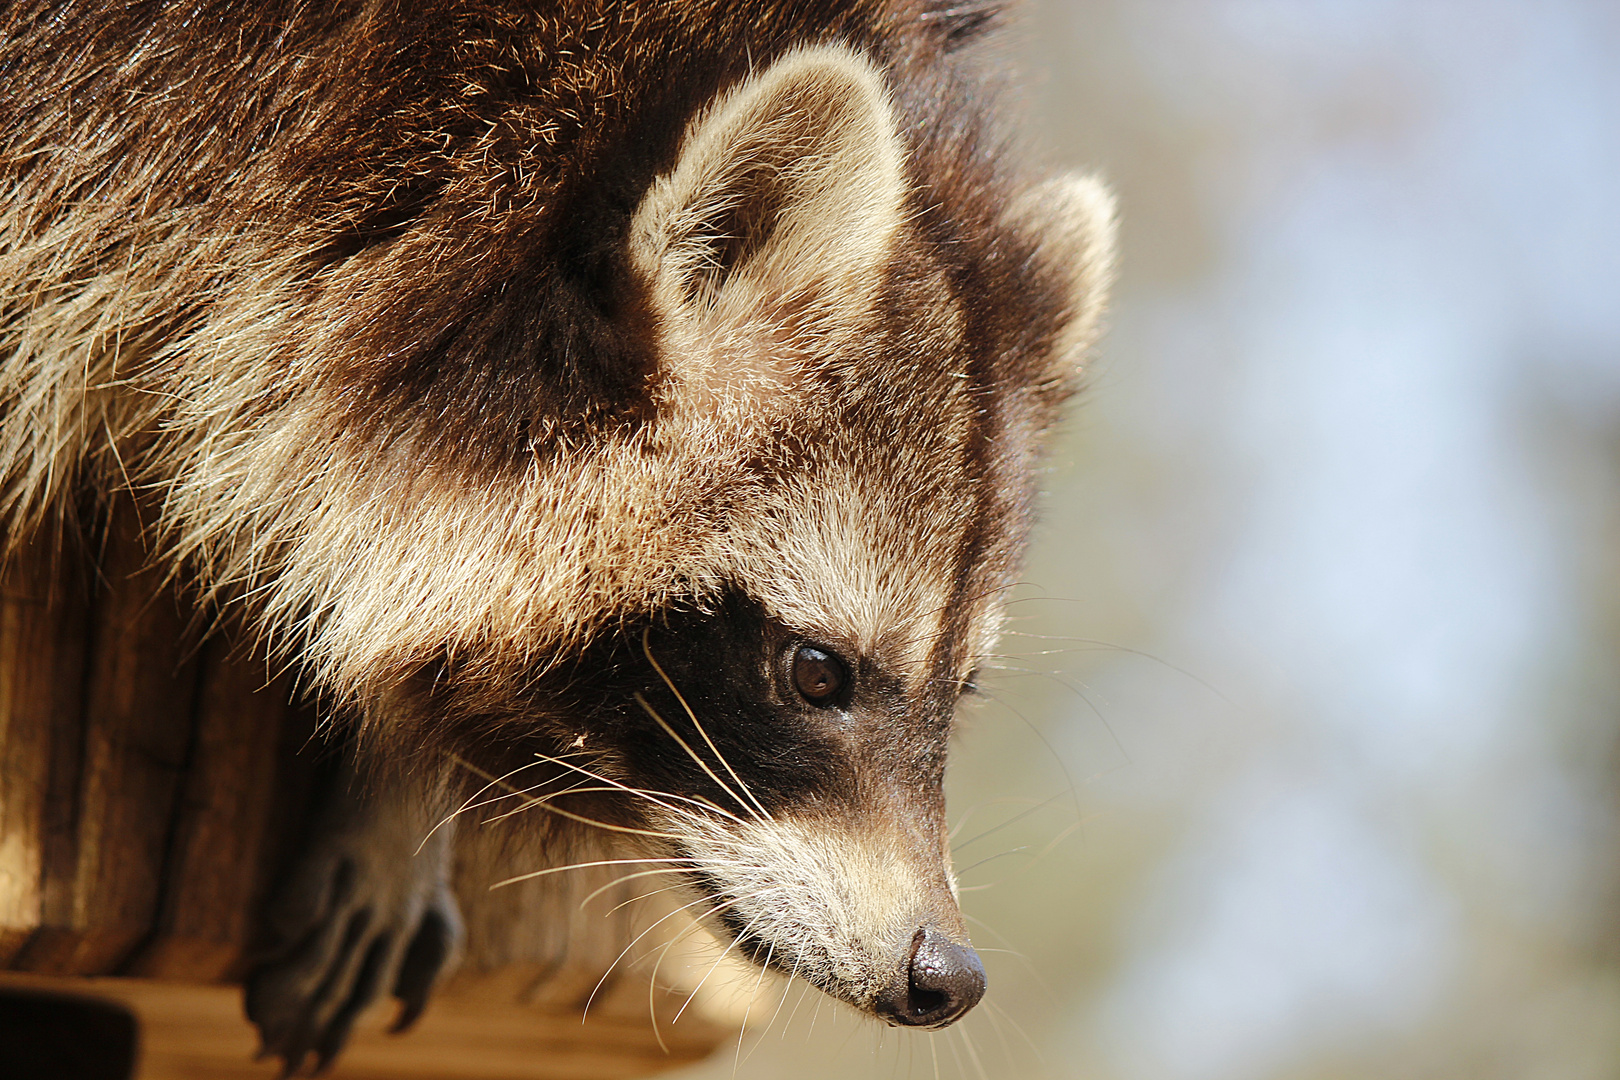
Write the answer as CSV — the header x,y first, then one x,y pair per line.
x,y
743,606
860,341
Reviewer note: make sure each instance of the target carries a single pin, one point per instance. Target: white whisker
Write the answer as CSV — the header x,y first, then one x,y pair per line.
x,y
580,866
471,803
470,767
804,989
652,712
778,1012
749,1008
729,946
645,895
631,877
636,940
973,1053
1010,951
541,801
655,797
645,647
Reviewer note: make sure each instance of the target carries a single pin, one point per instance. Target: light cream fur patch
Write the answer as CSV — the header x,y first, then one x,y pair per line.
x,y
1074,217
839,906
809,143
855,560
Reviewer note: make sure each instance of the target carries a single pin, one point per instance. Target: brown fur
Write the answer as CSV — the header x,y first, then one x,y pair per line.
x,y
461,340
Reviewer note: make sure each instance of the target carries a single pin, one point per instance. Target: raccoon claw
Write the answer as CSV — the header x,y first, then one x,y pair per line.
x,y
428,954
341,944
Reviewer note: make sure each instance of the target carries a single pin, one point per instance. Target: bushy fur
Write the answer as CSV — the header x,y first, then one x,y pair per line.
x,y
468,347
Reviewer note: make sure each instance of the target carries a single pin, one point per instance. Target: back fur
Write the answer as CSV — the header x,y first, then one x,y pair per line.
x,y
344,307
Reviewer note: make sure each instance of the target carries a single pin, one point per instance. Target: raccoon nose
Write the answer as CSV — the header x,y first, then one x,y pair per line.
x,y
944,980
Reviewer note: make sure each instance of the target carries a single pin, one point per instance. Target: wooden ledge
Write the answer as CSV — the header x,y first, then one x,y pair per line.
x,y
197,1032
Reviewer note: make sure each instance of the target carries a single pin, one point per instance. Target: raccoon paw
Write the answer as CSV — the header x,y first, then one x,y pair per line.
x,y
345,927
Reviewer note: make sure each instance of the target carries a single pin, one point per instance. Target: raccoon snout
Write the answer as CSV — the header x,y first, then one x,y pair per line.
x,y
943,981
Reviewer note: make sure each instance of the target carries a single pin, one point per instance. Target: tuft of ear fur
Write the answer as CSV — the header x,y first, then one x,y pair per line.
x,y
1073,218
774,224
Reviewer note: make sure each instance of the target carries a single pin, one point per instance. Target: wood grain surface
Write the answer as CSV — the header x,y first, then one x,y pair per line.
x,y
196,1032
154,782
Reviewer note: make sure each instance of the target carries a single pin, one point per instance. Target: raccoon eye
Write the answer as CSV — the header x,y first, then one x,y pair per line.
x,y
818,675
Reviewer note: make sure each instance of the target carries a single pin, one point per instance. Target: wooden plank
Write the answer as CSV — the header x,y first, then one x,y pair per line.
x,y
245,793
43,620
191,1032
149,800
101,900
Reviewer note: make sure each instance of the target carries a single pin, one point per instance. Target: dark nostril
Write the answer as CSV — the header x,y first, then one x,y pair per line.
x,y
944,981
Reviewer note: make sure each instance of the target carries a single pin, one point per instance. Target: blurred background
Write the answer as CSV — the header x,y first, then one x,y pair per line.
x,y
1301,760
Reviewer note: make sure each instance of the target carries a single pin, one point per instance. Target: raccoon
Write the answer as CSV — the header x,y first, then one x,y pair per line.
x,y
636,404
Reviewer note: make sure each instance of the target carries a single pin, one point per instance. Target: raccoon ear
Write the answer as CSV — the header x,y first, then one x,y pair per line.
x,y
1073,218
781,206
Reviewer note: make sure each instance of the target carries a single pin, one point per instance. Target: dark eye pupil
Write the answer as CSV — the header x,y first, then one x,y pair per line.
x,y
817,674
